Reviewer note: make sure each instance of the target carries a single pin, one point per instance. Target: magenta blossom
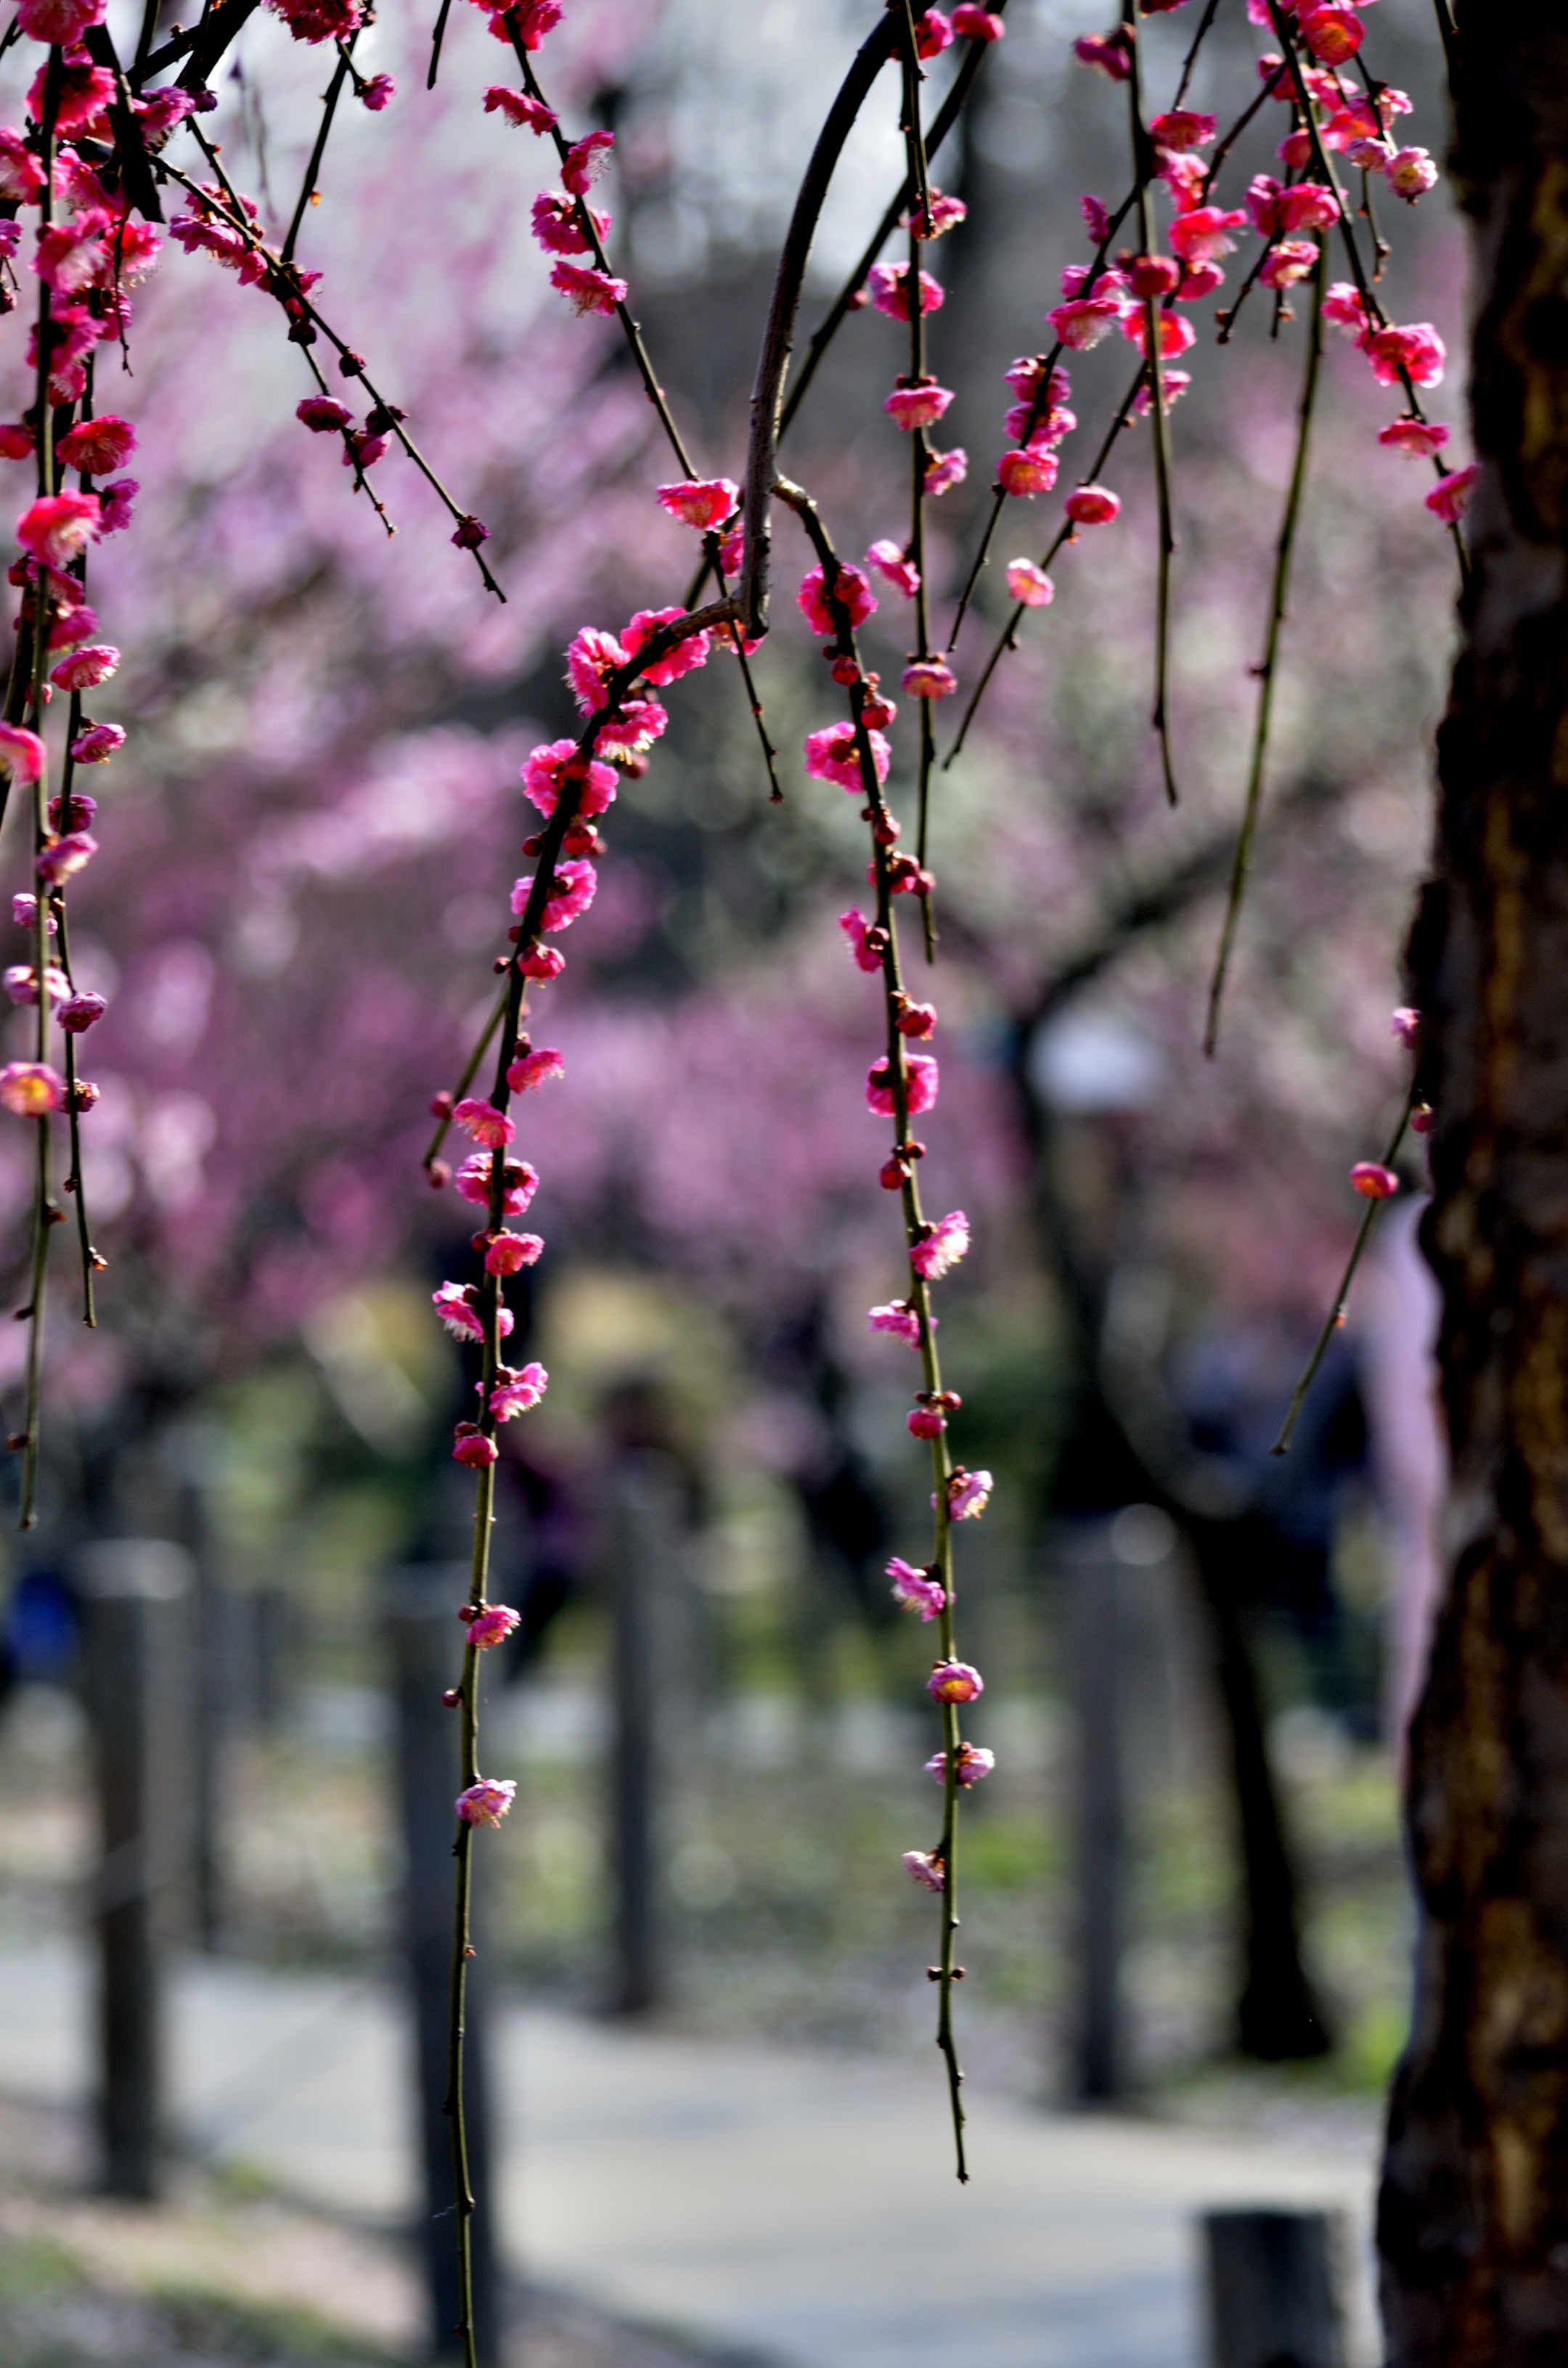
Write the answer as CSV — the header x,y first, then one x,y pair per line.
x,y
1404,1025
857,928
21,984
702,502
1418,352
532,1070
916,1590
591,291
1030,586
1450,497
519,1185
485,1122
592,655
97,744
86,668
944,1244
927,1869
59,527
570,892
60,858
97,446
899,1318
887,557
954,1681
974,1762
920,405
1416,438
1199,236
558,227
1183,127
585,160
546,768
945,470
690,652
851,591
977,23
1411,174
516,1391
79,1012
22,754
1082,321
926,1422
929,678
832,755
31,1088
933,33
922,1077
889,284
1374,1180
507,1253
487,1802
490,1625
1030,470
968,1494
520,108
1092,504
459,1314
470,1446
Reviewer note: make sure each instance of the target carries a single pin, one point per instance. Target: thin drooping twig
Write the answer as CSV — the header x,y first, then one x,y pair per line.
x,y
1284,552
1064,533
1154,331
329,109
843,303
773,361
1336,1313
491,1298
916,1231
920,210
470,1070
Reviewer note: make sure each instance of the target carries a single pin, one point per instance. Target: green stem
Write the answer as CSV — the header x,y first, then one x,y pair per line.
x,y
1284,550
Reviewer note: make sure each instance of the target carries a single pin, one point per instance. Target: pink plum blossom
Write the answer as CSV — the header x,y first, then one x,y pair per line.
x,y
1333,35
832,755
86,668
888,559
546,768
1092,506
1176,332
916,1590
97,743
590,289
899,1318
60,858
572,888
929,678
918,1019
558,227
1030,586
79,1012
470,1446
487,1802
1290,260
31,1088
116,500
1344,308
927,1869
585,160
520,108
684,655
1200,236
532,1070
851,591
954,1681
942,1247
473,1181
1183,127
889,290
1411,174
1107,53
516,1391
59,527
21,983
920,405
1416,438
926,1422
1028,470
946,213
1450,497
60,22
977,23
933,33
700,502
542,963
922,1079
459,1314
1374,1180
857,930
487,1125
97,446
1404,1025
974,1762
945,470
508,1253
22,754
1418,352
1082,321
968,1494
490,1625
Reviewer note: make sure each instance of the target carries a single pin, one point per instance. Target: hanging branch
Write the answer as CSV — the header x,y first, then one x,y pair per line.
x,y
1284,550
1154,331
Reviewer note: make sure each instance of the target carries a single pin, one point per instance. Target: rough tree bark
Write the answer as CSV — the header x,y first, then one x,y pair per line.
x,y
1474,2218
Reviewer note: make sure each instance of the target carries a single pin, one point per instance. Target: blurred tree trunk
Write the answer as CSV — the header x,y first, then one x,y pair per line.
x,y
1473,2220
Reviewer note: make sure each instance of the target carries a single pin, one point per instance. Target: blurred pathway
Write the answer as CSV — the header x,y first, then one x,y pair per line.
x,y
797,2205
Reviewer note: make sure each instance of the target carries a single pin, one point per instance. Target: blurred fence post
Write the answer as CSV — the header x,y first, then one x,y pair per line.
x,y
136,1606
643,1546
1092,1577
421,1603
1274,2283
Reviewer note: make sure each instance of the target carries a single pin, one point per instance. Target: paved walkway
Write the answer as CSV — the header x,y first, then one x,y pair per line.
x,y
796,2204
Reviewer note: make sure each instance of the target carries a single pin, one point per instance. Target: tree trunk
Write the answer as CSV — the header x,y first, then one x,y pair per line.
x,y
1474,2218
